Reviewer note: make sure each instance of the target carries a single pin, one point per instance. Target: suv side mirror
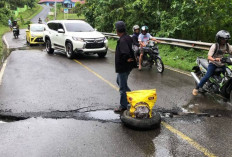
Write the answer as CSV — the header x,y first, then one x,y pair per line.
x,y
60,31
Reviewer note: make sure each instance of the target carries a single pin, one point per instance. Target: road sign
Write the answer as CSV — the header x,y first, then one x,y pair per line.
x,y
66,11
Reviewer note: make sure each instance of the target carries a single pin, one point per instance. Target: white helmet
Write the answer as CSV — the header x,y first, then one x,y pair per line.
x,y
135,27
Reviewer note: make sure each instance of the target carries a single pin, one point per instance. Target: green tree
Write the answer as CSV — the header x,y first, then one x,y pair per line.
x,y
183,19
78,9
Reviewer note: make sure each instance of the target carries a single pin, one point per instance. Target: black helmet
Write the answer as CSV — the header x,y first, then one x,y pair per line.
x,y
222,34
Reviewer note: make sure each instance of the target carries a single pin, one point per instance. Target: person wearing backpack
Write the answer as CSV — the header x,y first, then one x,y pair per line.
x,y
215,54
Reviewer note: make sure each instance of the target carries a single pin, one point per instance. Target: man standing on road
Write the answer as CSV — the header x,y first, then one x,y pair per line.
x,y
124,63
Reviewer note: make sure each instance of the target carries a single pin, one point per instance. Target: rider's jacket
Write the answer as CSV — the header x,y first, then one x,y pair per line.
x,y
123,53
217,51
135,39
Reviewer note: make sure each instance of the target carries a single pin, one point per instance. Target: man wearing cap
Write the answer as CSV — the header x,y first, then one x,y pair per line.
x,y
124,63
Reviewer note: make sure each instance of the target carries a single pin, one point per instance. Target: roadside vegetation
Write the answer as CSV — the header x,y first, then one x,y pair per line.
x,y
61,16
173,56
6,12
25,17
195,20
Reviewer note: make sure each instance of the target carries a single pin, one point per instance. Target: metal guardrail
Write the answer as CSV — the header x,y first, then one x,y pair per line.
x,y
175,42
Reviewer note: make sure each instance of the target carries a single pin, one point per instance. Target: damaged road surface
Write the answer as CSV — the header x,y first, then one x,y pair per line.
x,y
53,106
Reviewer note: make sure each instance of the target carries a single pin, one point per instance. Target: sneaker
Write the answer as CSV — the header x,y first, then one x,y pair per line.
x,y
119,110
195,92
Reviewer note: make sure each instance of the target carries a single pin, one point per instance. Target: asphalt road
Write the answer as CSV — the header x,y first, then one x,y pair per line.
x,y
43,14
67,109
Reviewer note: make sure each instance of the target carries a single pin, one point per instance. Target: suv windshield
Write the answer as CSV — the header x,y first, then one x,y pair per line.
x,y
37,28
78,27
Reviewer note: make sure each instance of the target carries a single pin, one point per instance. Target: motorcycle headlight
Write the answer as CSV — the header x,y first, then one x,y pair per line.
x,y
78,39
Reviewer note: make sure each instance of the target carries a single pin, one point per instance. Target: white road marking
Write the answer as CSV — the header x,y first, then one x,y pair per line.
x,y
2,71
7,45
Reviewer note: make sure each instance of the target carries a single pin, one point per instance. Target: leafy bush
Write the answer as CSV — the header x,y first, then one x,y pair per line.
x,y
182,19
5,14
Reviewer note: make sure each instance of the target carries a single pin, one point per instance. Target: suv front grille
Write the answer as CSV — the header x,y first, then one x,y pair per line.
x,y
94,43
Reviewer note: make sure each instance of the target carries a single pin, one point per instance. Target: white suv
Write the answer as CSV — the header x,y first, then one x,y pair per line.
x,y
74,36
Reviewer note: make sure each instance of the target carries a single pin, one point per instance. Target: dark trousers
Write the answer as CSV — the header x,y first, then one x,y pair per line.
x,y
209,73
123,88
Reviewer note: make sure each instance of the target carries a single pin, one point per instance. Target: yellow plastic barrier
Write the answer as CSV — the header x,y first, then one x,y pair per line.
x,y
139,98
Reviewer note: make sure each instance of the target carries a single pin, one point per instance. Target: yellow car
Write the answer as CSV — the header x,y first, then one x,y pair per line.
x,y
34,33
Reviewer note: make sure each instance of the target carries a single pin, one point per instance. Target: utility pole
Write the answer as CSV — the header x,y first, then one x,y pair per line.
x,y
55,9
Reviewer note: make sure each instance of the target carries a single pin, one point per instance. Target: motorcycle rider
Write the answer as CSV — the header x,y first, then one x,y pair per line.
x,y
40,21
135,36
15,24
143,39
215,54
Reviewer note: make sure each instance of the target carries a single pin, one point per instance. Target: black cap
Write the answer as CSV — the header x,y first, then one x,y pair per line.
x,y
120,25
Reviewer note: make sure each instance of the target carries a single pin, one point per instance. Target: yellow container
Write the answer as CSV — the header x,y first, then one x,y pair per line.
x,y
139,98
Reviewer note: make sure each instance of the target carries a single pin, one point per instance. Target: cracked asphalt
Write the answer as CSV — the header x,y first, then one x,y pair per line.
x,y
53,106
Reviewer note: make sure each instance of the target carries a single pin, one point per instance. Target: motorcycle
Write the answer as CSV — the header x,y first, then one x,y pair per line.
x,y
151,56
15,32
219,83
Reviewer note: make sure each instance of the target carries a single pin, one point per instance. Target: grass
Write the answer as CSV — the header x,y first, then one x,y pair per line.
x,y
112,43
3,30
173,56
60,16
180,58
28,15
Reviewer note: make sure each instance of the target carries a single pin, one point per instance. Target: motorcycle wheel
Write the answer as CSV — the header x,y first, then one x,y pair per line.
x,y
159,65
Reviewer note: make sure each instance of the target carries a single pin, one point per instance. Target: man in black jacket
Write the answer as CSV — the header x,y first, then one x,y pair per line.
x,y
124,63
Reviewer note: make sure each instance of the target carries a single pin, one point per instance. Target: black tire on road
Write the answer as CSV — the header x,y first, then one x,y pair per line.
x,y
28,43
48,46
69,50
102,55
159,65
141,124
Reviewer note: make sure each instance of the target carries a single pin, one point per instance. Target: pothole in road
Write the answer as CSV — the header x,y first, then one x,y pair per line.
x,y
101,115
9,118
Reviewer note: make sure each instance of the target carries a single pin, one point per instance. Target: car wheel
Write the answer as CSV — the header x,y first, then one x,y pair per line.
x,y
141,124
102,55
28,43
69,50
48,46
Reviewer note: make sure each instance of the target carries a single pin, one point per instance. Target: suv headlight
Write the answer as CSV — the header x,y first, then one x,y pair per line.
x,y
78,39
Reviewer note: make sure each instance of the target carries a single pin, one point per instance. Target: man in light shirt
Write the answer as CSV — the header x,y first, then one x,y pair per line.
x,y
144,37
215,54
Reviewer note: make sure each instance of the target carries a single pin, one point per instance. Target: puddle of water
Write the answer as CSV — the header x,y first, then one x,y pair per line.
x,y
103,115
